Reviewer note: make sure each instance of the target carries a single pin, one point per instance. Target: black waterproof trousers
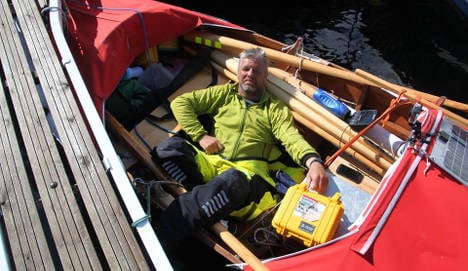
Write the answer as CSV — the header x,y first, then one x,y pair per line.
x,y
204,203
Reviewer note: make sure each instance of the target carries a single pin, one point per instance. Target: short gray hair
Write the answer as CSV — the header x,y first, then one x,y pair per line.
x,y
255,53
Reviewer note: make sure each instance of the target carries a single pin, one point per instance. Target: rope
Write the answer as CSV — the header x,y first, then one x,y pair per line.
x,y
301,59
260,220
155,125
150,121
148,185
267,236
138,221
141,138
342,135
428,163
48,9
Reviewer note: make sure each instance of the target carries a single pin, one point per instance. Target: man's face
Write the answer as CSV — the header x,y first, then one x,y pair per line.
x,y
251,76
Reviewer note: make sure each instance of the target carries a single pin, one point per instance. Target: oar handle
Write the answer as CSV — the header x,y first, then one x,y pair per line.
x,y
238,247
411,92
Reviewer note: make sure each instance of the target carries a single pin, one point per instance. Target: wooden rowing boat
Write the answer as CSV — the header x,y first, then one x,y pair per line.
x,y
374,152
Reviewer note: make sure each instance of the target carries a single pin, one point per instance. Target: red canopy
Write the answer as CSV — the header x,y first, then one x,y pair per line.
x,y
106,35
417,220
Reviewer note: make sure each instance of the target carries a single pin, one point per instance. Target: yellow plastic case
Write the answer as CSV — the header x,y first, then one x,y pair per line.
x,y
308,216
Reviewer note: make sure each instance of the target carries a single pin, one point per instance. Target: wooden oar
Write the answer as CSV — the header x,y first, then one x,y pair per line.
x,y
233,45
416,94
143,155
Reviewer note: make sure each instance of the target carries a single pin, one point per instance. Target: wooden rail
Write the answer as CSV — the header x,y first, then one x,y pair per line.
x,y
60,210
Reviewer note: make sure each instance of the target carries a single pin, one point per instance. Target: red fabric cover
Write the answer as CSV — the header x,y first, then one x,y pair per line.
x,y
427,229
106,35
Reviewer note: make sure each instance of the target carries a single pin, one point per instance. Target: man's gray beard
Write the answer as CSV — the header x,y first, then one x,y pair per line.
x,y
249,89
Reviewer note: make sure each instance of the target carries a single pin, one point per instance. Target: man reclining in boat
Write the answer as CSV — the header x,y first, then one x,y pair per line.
x,y
231,176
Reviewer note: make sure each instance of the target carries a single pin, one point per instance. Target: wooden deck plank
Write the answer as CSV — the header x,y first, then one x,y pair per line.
x,y
42,220
59,204
32,35
110,223
107,216
17,200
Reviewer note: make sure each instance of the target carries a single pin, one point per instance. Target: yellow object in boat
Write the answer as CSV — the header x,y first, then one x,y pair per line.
x,y
142,59
308,216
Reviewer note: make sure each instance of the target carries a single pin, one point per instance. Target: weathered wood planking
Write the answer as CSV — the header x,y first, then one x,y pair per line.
x,y
18,203
82,218
72,244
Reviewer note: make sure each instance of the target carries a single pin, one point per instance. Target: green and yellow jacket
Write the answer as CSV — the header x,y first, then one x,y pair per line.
x,y
250,133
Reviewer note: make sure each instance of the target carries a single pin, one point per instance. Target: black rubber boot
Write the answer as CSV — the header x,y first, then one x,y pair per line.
x,y
203,206
177,158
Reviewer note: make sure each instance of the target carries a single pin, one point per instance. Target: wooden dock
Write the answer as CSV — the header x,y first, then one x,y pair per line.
x,y
59,208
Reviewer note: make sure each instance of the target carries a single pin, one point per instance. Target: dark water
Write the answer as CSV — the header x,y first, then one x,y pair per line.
x,y
416,43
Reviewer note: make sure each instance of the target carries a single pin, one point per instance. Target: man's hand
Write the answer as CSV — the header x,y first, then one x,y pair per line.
x,y
210,144
316,178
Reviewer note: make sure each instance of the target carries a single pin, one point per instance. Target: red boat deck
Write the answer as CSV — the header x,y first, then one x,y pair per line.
x,y
59,210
